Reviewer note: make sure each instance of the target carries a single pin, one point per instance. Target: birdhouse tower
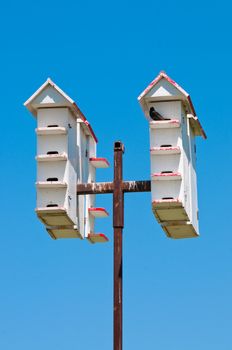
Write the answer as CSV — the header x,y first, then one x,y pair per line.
x,y
173,126
66,156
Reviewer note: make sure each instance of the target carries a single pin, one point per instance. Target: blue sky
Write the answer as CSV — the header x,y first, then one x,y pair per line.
x,y
58,294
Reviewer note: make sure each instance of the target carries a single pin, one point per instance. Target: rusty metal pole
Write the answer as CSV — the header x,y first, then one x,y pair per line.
x,y
118,223
118,187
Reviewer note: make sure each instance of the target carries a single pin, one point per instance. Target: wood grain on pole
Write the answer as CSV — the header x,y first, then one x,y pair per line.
x,y
118,187
108,187
118,223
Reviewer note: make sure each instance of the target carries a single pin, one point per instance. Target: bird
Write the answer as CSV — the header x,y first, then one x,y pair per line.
x,y
155,115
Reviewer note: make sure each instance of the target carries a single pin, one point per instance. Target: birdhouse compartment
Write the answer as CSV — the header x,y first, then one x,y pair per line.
x,y
53,117
52,144
57,198
52,197
48,170
168,163
169,110
169,189
168,136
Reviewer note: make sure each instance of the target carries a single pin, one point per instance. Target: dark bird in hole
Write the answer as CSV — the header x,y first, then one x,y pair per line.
x,y
155,115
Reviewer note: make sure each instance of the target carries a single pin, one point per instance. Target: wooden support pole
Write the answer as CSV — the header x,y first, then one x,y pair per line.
x,y
118,223
118,187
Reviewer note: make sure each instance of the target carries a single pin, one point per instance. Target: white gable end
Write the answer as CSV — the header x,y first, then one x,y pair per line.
x,y
50,96
164,89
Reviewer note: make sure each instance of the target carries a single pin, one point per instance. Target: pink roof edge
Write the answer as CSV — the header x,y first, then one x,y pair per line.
x,y
99,159
166,174
98,235
75,107
161,75
97,209
174,200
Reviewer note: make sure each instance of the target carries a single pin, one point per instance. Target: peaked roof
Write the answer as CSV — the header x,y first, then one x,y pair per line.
x,y
185,96
66,102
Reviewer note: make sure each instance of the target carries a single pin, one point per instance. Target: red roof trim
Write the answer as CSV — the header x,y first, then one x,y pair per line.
x,y
95,159
196,118
166,174
160,122
97,209
161,75
166,201
176,148
157,79
72,105
104,236
92,235
85,121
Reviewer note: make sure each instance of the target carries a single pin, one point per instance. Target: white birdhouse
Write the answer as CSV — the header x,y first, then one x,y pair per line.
x,y
66,155
173,126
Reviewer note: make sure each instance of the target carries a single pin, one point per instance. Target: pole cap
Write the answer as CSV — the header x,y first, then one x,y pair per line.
x,y
119,146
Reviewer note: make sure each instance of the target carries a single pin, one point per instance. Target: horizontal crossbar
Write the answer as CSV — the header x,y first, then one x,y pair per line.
x,y
108,187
